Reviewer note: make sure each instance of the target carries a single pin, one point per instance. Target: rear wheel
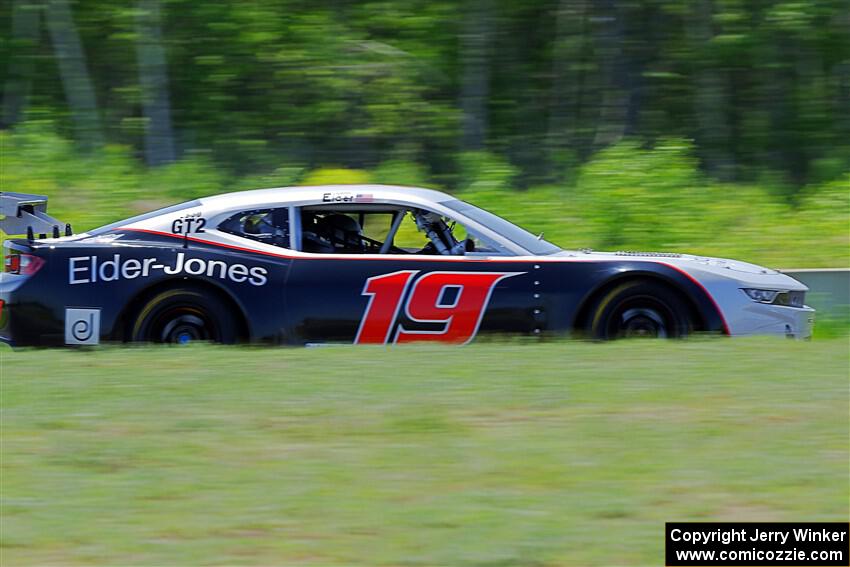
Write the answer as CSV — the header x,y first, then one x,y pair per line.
x,y
639,308
184,315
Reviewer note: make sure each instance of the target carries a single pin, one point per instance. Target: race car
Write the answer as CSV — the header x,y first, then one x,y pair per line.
x,y
361,264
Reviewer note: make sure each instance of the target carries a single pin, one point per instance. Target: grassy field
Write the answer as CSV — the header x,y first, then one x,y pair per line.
x,y
497,454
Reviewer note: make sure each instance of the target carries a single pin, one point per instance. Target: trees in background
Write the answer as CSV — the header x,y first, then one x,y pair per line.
x,y
475,53
153,83
544,85
23,41
73,70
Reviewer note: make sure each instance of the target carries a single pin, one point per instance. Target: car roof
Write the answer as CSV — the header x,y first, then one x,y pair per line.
x,y
318,194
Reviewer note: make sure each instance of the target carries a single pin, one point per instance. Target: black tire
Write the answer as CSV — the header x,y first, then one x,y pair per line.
x,y
639,308
181,315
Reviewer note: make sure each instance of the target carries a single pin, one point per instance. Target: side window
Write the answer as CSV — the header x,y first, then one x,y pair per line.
x,y
409,238
443,235
270,226
344,231
376,226
477,242
412,240
387,230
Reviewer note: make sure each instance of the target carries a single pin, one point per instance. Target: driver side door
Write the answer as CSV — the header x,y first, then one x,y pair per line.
x,y
408,294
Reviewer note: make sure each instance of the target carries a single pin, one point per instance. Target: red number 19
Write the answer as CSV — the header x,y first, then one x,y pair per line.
x,y
460,319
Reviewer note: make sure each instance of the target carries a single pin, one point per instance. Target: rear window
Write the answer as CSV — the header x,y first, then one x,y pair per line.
x,y
270,226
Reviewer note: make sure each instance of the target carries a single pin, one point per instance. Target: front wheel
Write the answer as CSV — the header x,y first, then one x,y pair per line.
x,y
181,316
639,309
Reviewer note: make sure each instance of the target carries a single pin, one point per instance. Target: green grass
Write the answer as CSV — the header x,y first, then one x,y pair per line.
x,y
496,454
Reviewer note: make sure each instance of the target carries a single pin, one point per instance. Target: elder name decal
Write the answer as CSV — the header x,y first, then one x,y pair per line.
x,y
91,269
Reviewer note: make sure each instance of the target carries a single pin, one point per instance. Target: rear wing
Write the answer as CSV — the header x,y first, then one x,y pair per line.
x,y
23,213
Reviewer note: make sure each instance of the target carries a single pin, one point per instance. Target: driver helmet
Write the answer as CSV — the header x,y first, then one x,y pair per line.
x,y
344,230
259,224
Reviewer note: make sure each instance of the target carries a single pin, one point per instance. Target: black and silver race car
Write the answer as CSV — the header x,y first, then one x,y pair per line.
x,y
365,264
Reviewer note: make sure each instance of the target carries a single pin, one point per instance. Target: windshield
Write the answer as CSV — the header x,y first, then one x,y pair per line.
x,y
145,216
499,225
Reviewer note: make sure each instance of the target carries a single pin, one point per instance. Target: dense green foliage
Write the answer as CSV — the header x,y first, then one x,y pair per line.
x,y
625,197
713,126
500,454
544,85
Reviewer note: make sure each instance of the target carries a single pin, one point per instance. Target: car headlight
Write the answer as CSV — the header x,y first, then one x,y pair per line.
x,y
791,299
762,295
775,297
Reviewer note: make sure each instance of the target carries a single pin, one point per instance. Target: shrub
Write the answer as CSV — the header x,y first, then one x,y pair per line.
x,y
337,176
399,172
627,196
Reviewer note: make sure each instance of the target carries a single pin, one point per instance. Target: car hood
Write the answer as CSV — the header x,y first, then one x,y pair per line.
x,y
702,267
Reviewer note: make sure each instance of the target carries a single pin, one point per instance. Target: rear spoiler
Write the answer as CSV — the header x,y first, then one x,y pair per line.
x,y
23,213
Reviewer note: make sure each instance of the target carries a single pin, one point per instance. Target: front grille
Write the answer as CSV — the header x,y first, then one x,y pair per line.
x,y
791,299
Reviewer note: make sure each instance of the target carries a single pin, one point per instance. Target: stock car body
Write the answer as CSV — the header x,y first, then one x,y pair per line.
x,y
363,264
